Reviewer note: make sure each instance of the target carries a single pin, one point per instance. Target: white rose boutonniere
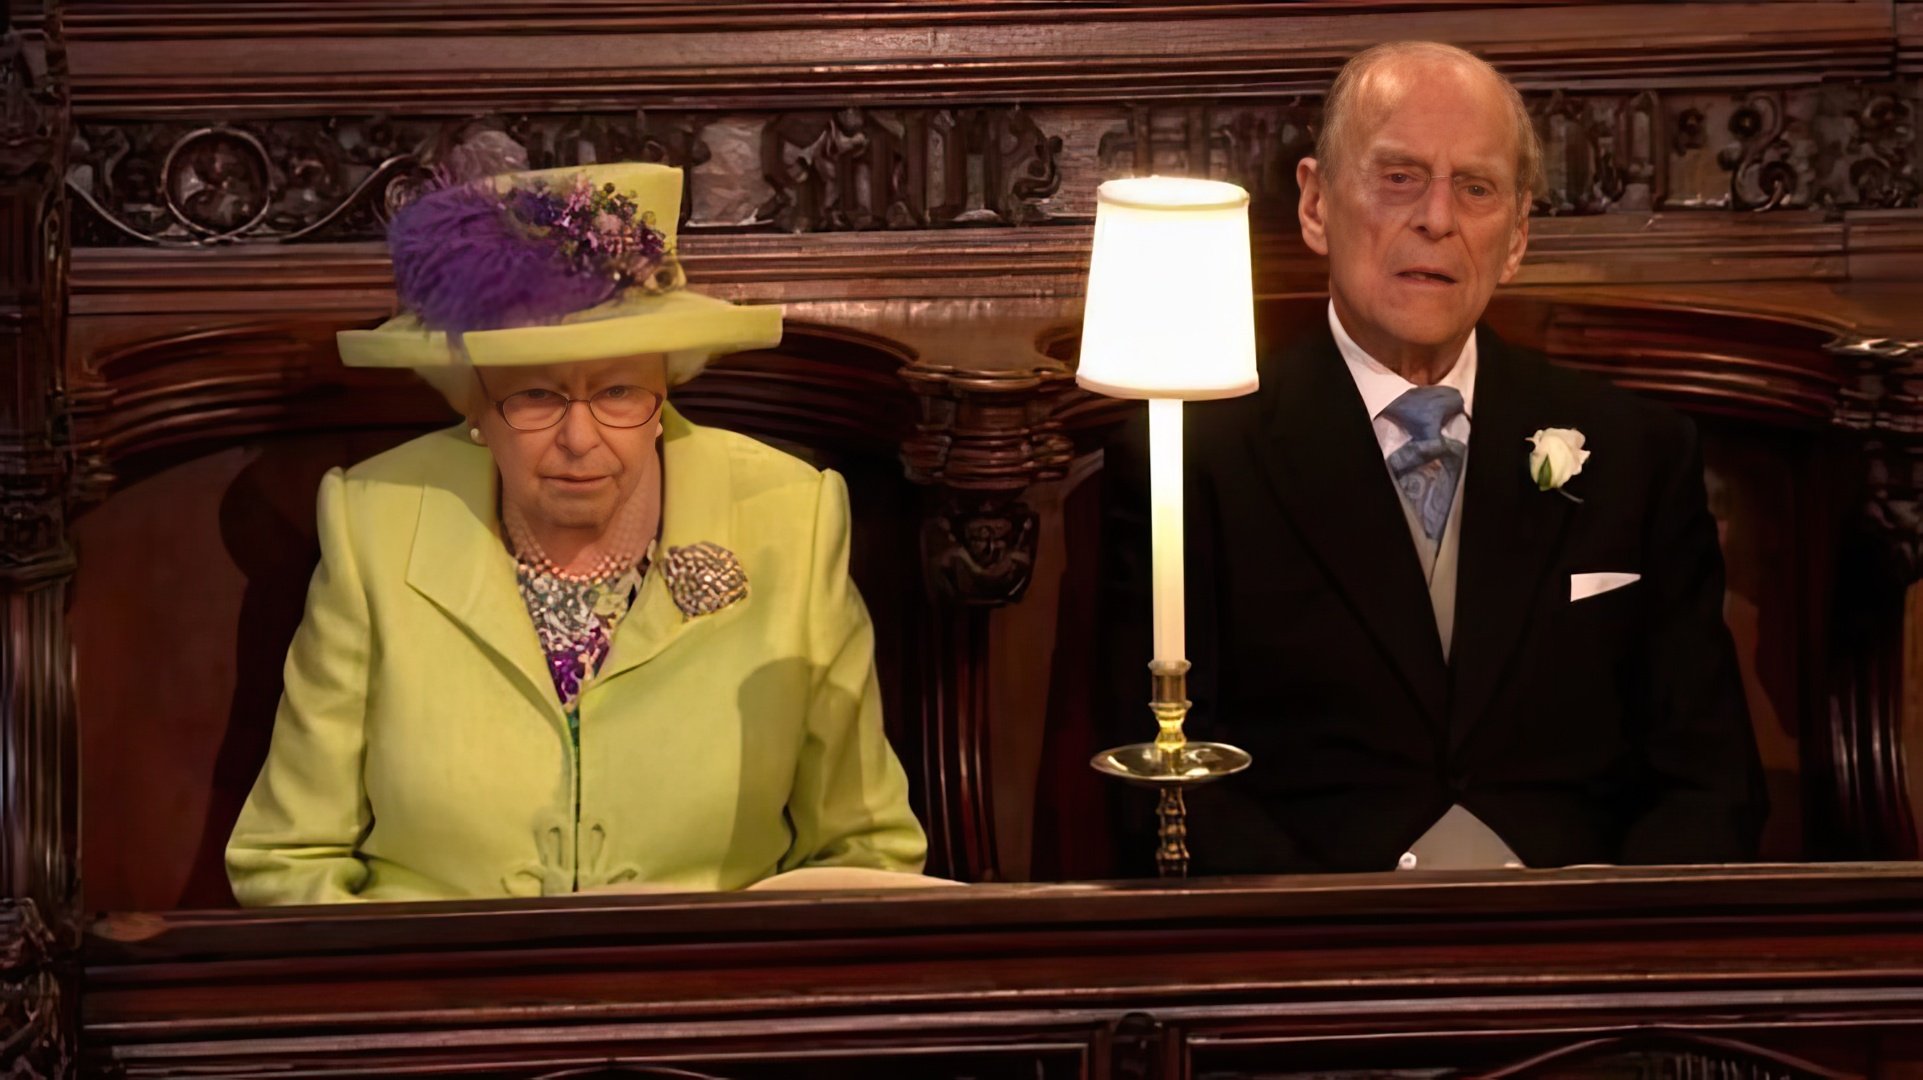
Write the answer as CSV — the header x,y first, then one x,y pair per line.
x,y
1556,454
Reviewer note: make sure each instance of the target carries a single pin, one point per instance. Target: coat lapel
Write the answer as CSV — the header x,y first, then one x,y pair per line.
x,y
460,564
1511,531
1319,452
697,504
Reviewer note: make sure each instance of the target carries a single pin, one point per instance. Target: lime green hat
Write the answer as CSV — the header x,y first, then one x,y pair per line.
x,y
553,266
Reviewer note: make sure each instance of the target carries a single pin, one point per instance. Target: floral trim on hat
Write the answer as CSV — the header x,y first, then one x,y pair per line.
x,y
598,230
475,257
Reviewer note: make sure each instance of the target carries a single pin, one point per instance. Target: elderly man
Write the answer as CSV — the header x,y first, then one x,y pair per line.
x,y
1464,608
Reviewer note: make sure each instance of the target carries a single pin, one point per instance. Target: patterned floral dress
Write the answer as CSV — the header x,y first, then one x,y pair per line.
x,y
575,621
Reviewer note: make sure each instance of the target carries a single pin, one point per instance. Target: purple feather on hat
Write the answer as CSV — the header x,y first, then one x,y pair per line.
x,y
462,263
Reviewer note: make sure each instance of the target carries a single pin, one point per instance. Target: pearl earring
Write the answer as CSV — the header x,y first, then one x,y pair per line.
x,y
474,434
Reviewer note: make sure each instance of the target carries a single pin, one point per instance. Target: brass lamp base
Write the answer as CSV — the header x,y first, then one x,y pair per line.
x,y
1145,765
1171,764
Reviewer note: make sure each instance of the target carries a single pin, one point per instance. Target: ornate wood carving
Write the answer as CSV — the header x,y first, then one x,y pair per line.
x,y
1137,1047
35,1035
906,169
983,438
32,142
213,181
176,184
37,822
338,178
1830,147
1882,402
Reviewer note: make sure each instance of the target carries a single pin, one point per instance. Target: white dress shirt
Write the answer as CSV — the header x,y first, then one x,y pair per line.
x,y
1380,387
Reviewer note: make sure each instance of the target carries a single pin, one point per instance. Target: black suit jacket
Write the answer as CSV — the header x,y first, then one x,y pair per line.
x,y
1609,730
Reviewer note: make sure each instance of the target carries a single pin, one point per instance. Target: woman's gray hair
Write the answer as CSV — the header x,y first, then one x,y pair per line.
x,y
1338,109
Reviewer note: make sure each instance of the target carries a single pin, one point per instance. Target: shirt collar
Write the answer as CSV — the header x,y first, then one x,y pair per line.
x,y
1380,386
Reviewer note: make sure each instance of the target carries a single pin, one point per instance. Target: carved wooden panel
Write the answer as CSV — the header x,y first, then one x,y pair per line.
x,y
337,177
37,812
36,1037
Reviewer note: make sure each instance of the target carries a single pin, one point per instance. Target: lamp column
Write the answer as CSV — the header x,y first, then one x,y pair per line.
x,y
1169,338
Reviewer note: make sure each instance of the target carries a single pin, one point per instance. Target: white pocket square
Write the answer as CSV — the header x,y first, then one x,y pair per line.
x,y
1584,586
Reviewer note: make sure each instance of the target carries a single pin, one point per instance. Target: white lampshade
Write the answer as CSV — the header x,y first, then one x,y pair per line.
x,y
1171,296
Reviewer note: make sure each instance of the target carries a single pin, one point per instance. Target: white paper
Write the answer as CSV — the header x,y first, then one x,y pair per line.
x,y
1584,586
806,879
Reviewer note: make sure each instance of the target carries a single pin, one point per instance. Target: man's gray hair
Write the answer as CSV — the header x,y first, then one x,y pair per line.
x,y
1338,111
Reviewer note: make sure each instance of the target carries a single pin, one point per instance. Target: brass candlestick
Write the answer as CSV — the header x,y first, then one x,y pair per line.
x,y
1171,764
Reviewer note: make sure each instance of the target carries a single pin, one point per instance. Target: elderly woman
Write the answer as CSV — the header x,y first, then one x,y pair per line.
x,y
578,642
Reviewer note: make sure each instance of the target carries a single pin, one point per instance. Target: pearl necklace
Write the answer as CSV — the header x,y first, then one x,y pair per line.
x,y
609,568
624,549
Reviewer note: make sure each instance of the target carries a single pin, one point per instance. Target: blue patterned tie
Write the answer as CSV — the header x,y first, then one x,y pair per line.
x,y
1428,467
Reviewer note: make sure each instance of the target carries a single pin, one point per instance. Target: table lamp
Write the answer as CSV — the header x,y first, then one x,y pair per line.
x,y
1170,317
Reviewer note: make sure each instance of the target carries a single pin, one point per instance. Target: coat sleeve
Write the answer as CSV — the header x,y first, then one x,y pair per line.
x,y
1706,801
849,803
296,837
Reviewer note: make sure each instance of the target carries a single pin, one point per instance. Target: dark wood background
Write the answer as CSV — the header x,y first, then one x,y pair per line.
x,y
191,199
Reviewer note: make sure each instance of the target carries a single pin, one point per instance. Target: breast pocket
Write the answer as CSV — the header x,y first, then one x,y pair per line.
x,y
1600,611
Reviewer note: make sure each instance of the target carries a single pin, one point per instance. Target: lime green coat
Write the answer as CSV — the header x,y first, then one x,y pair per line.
x,y
420,751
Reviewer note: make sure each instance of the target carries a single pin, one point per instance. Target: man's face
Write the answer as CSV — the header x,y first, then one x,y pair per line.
x,y
1419,217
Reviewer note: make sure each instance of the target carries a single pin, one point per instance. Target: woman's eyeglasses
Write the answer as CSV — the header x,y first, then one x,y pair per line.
x,y
613,406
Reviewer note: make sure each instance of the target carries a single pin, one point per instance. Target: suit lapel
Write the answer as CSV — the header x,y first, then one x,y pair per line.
x,y
1511,531
1319,452
697,505
460,564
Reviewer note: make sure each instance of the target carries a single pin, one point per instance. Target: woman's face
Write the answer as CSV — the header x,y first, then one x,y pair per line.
x,y
575,473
